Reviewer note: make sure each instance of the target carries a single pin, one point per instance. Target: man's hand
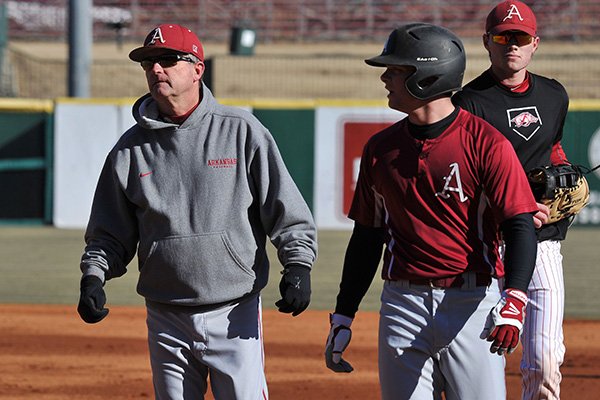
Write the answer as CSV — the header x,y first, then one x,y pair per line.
x,y
505,322
541,217
295,289
337,341
92,300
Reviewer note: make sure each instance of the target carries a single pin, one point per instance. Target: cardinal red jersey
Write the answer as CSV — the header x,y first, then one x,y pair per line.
x,y
441,199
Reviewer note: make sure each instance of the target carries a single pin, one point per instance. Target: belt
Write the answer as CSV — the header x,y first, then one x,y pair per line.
x,y
467,279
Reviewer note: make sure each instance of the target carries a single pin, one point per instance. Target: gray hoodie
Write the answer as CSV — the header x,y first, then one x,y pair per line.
x,y
197,202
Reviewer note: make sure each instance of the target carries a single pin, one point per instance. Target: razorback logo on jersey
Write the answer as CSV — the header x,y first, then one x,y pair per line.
x,y
524,121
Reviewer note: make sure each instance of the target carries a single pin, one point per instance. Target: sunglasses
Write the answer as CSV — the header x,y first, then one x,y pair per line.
x,y
521,38
166,61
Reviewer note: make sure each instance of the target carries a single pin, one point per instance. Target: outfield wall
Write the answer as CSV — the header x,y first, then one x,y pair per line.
x,y
320,141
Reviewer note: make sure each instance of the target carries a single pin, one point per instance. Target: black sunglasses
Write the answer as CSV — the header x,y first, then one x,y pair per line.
x,y
166,61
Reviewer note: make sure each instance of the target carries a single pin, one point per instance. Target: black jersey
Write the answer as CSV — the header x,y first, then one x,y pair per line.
x,y
532,121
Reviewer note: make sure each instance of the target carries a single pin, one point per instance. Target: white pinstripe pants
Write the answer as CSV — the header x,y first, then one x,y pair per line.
x,y
542,337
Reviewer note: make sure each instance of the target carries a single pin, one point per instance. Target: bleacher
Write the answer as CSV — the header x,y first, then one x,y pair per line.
x,y
293,20
320,43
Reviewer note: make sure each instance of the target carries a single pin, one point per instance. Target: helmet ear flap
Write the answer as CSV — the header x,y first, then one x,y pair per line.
x,y
428,81
417,84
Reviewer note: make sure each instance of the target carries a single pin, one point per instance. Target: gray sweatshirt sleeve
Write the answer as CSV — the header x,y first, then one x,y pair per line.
x,y
112,235
285,216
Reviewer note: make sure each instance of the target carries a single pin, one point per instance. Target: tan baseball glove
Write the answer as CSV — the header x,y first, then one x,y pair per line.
x,y
562,188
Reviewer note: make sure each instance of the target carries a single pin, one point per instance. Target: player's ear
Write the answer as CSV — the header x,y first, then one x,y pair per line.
x,y
198,70
485,38
536,43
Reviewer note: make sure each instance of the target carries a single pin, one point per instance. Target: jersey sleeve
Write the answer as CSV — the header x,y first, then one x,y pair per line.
x,y
505,183
558,156
367,206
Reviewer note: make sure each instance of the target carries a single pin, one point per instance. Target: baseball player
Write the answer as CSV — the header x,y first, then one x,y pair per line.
x,y
195,188
530,110
434,188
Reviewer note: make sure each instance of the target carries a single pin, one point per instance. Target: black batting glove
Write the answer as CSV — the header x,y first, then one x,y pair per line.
x,y
295,289
92,300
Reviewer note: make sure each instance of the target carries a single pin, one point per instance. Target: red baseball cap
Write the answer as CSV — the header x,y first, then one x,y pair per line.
x,y
511,15
168,38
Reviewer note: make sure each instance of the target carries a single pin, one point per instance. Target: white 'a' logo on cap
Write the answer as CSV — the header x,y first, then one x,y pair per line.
x,y
513,10
157,35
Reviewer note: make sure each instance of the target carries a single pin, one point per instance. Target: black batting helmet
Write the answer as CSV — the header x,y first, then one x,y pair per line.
x,y
437,55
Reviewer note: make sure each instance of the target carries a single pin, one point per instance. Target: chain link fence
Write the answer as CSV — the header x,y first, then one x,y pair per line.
x,y
277,76
567,52
292,20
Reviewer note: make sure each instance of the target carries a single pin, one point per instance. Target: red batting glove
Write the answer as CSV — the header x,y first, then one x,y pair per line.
x,y
505,322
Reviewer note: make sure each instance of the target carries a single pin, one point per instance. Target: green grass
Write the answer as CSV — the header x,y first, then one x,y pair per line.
x,y
41,265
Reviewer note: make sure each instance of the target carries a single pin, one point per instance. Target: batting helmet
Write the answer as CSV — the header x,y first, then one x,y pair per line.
x,y
437,55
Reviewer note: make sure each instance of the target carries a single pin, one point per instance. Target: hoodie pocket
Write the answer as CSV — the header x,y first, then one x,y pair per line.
x,y
198,269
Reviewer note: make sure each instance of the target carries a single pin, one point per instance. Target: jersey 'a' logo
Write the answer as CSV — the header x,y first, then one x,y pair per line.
x,y
452,183
524,121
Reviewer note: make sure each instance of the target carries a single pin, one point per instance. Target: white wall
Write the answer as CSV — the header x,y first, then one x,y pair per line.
x,y
84,132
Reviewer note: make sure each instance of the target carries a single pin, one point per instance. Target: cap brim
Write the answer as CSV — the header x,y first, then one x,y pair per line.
x,y
142,53
512,27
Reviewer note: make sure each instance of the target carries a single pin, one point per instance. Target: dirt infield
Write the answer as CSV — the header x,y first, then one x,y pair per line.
x,y
48,353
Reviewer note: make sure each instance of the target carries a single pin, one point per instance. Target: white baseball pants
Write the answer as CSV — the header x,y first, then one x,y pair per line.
x,y
542,337
224,346
430,342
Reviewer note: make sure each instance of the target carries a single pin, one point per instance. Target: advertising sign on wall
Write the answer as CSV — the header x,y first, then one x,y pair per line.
x,y
591,214
354,136
340,134
581,141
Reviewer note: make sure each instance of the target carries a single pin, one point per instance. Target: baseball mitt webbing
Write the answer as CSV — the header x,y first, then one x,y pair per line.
x,y
562,188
